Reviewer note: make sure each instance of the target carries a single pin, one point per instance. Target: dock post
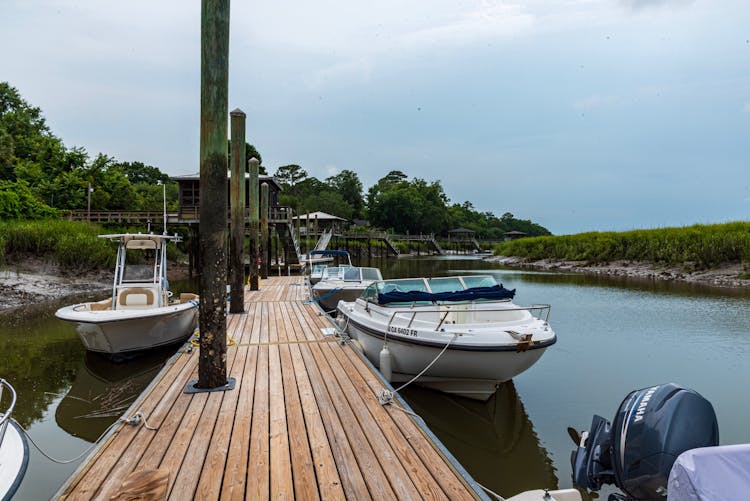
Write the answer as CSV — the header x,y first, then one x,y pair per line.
x,y
212,368
254,210
237,211
264,264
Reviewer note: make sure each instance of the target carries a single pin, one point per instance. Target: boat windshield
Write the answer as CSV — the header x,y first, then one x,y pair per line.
x,y
371,274
405,285
139,266
331,272
479,281
318,269
352,275
445,284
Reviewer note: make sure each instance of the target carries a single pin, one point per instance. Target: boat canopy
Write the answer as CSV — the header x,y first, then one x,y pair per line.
x,y
443,289
495,292
329,252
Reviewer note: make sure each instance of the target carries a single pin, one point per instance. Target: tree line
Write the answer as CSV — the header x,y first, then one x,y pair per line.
x,y
39,176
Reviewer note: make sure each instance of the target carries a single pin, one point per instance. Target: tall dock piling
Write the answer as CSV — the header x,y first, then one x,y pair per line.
x,y
264,265
237,211
254,168
212,369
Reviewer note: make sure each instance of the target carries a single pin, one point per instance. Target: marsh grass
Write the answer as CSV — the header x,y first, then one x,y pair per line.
x,y
697,247
71,245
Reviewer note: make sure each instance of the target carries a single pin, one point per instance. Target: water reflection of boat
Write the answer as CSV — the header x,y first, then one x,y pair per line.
x,y
494,440
103,390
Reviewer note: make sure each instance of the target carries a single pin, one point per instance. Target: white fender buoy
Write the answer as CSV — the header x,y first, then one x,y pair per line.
x,y
385,363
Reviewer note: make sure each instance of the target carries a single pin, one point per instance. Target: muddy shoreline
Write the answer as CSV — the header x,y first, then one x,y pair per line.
x,y
35,282
729,275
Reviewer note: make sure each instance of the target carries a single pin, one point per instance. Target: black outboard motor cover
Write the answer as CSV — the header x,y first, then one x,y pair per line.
x,y
651,428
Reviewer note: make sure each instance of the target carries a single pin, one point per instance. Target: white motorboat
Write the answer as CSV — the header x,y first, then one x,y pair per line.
x,y
14,448
343,283
141,313
461,335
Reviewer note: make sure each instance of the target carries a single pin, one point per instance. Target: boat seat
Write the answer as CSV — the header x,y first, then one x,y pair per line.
x,y
136,297
103,305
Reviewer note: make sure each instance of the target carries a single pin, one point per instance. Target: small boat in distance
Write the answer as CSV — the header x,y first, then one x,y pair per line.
x,y
343,284
461,335
14,448
141,313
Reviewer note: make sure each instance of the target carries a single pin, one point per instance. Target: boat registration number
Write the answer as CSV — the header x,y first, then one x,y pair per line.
x,y
403,331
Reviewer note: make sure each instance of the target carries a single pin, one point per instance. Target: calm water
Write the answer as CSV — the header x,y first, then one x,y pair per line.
x,y
613,336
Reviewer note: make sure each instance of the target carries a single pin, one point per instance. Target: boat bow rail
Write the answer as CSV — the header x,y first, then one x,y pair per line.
x,y
537,311
5,415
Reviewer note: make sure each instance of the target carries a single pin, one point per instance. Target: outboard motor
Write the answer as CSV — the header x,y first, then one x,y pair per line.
x,y
635,453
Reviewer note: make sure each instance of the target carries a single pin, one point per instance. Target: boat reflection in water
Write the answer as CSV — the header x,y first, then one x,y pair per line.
x,y
494,440
103,390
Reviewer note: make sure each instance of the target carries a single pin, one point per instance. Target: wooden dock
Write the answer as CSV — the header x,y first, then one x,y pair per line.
x,y
303,422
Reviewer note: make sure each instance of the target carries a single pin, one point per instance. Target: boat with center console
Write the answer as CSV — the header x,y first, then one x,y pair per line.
x,y
462,335
141,313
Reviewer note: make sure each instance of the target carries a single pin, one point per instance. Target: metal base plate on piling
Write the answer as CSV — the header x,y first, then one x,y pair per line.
x,y
191,388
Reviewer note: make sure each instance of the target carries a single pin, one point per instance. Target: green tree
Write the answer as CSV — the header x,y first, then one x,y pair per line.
x,y
349,187
289,176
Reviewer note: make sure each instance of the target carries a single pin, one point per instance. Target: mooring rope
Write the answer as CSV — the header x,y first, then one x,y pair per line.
x,y
327,294
134,420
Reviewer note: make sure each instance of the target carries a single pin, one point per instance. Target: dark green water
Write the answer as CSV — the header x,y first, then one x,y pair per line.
x,y
613,336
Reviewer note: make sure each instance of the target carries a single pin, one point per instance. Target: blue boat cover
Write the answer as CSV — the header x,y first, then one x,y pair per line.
x,y
330,252
471,294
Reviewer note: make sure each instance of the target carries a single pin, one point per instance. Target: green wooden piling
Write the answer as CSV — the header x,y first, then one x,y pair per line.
x,y
252,187
212,369
237,211
264,265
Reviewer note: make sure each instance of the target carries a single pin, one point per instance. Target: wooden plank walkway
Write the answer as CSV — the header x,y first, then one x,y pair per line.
x,y
303,422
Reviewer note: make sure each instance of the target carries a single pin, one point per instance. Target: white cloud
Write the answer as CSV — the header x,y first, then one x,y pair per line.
x,y
591,102
746,107
355,70
339,28
636,5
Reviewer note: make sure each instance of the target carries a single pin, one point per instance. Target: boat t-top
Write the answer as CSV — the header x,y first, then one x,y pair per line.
x,y
465,328
141,312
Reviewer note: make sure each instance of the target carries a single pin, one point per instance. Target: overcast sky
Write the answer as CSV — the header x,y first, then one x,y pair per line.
x,y
577,114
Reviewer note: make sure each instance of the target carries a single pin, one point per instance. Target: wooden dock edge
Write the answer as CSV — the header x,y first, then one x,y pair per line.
x,y
88,461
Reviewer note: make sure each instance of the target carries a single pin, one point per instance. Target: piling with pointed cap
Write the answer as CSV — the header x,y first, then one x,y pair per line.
x,y
252,187
237,211
264,230
212,369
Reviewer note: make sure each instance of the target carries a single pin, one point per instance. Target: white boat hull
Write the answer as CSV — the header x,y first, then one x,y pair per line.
x,y
122,331
468,373
14,459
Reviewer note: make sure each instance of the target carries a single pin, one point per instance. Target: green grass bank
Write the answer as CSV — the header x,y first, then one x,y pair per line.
x,y
692,247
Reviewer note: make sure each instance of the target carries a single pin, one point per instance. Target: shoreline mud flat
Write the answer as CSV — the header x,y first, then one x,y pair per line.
x,y
25,286
723,276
